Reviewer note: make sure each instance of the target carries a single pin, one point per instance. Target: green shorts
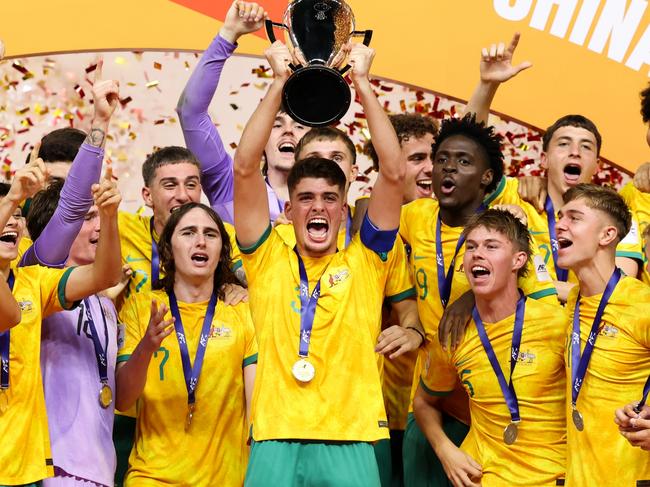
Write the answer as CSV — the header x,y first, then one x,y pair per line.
x,y
421,465
384,462
312,464
123,438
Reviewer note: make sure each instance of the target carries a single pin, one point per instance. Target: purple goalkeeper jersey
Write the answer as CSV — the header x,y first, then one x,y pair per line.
x,y
81,431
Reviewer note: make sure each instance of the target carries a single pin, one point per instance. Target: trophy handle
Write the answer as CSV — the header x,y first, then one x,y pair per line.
x,y
269,29
367,37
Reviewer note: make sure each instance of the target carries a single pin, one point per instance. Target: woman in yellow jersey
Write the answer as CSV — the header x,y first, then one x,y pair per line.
x,y
192,390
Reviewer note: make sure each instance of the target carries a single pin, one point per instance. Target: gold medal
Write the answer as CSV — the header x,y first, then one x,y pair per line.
x,y
303,371
105,396
578,421
188,418
4,401
510,433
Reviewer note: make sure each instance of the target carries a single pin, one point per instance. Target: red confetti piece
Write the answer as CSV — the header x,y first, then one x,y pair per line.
x,y
79,91
91,68
157,66
233,145
234,107
159,121
125,101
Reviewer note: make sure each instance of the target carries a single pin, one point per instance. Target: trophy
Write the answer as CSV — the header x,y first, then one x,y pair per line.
x,y
316,94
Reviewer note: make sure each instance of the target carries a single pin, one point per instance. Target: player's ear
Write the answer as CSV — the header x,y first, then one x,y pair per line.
x,y
519,260
608,235
287,209
146,196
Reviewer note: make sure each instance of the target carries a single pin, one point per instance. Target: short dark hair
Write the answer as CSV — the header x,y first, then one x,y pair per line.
x,y
42,207
507,224
4,189
326,133
317,168
604,199
406,125
485,136
572,121
61,145
223,273
167,155
645,104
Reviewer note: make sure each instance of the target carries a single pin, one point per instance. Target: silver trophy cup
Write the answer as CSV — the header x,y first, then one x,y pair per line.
x,y
316,94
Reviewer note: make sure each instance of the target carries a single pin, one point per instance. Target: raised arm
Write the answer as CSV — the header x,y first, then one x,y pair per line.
x,y
201,136
251,202
131,376
386,199
106,270
51,248
496,68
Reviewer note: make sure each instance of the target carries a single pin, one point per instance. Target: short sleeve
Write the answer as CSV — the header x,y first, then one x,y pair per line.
x,y
235,254
379,241
258,256
438,376
52,283
134,322
631,246
250,347
399,285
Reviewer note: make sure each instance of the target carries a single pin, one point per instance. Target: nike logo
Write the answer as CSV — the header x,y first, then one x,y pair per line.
x,y
419,257
130,259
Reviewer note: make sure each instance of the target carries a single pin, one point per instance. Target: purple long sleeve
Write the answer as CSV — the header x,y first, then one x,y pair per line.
x,y
200,134
52,246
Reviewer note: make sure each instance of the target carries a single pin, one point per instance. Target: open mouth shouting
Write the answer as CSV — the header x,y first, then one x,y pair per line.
x,y
9,239
480,272
572,174
564,243
317,228
287,148
425,186
447,186
200,259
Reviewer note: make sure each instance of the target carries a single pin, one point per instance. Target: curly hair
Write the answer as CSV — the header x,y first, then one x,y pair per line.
x,y
485,136
406,125
645,104
223,273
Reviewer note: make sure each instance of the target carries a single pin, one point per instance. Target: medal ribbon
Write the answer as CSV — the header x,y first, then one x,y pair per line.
x,y
4,345
507,389
561,274
101,354
192,373
646,391
580,363
348,228
445,280
155,258
307,306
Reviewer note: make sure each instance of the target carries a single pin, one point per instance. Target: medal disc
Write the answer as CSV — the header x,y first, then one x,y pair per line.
x,y
510,433
303,370
105,396
577,420
4,401
188,418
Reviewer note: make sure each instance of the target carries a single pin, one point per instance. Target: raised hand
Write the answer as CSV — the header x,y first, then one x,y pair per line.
x,y
106,94
496,62
242,18
29,179
361,57
279,57
106,195
158,329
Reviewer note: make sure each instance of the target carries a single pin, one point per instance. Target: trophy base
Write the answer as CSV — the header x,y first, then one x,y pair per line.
x,y
316,96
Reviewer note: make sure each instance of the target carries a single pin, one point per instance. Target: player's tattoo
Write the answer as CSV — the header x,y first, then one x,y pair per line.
x,y
96,137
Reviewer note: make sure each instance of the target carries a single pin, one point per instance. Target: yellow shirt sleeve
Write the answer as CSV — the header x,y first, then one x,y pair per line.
x,y
131,318
52,283
250,350
399,285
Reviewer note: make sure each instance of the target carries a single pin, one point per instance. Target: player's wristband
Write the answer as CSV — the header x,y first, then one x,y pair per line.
x,y
418,332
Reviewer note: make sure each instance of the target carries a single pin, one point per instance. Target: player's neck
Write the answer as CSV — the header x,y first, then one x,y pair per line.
x,y
555,193
458,216
5,267
158,223
594,274
278,181
498,305
316,255
191,289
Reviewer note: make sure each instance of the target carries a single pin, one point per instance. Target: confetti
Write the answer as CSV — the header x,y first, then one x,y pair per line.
x,y
152,84
157,66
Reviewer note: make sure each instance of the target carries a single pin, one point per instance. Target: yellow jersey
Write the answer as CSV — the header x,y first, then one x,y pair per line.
x,y
23,245
617,372
214,451
508,193
418,228
538,455
25,455
639,204
335,405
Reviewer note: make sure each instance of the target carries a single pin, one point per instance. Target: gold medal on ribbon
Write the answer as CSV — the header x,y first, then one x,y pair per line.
x,y
303,371
188,418
4,401
510,433
578,421
105,396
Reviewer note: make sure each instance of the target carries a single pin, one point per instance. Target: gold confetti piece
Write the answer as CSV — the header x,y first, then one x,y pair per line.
x,y
152,84
120,60
22,111
131,83
187,65
157,66
132,135
124,125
